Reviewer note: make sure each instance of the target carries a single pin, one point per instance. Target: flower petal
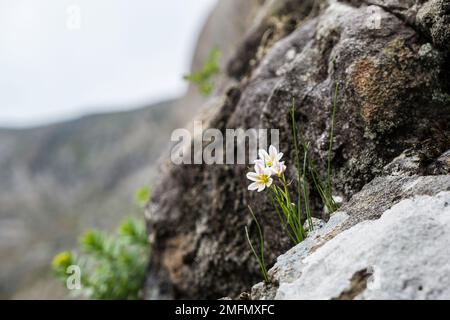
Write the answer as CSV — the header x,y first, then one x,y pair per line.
x,y
263,154
260,162
267,171
272,151
279,156
269,183
261,187
252,176
253,186
259,168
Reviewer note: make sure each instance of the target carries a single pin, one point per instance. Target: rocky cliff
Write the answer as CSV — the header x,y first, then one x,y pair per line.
x,y
390,60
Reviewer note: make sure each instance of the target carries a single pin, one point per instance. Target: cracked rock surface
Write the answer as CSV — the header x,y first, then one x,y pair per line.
x,y
392,125
402,255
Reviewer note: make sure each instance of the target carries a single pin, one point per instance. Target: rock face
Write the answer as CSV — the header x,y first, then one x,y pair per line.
x,y
390,62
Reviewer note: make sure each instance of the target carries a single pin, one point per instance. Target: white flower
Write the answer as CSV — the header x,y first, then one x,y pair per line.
x,y
261,178
278,168
271,157
260,162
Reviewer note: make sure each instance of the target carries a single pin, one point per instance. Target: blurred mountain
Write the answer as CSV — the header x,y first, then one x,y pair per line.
x,y
58,180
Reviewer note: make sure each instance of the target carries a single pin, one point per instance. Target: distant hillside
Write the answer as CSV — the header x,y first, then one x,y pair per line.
x,y
58,180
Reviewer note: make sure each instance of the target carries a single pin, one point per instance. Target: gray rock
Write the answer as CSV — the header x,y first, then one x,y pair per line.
x,y
404,164
386,242
384,192
441,165
289,266
403,255
434,18
431,18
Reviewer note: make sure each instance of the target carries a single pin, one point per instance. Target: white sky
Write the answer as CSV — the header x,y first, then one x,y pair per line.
x,y
126,53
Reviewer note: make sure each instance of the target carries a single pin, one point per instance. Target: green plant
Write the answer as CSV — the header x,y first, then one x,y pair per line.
x,y
142,196
204,79
324,187
112,266
61,262
292,214
258,255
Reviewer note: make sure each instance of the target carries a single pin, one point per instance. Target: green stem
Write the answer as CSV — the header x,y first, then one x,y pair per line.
x,y
305,188
330,147
300,182
283,223
259,257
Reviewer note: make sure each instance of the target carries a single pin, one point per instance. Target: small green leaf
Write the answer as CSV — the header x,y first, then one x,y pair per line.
x,y
133,231
62,261
93,241
142,196
204,79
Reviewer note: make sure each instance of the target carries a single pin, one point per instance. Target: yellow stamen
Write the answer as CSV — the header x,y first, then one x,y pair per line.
x,y
264,178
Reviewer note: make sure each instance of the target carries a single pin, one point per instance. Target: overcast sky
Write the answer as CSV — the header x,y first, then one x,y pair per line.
x,y
121,54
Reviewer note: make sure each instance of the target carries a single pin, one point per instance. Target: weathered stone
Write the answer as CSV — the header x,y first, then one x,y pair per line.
x,y
441,165
404,164
384,192
403,255
288,266
409,223
434,18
